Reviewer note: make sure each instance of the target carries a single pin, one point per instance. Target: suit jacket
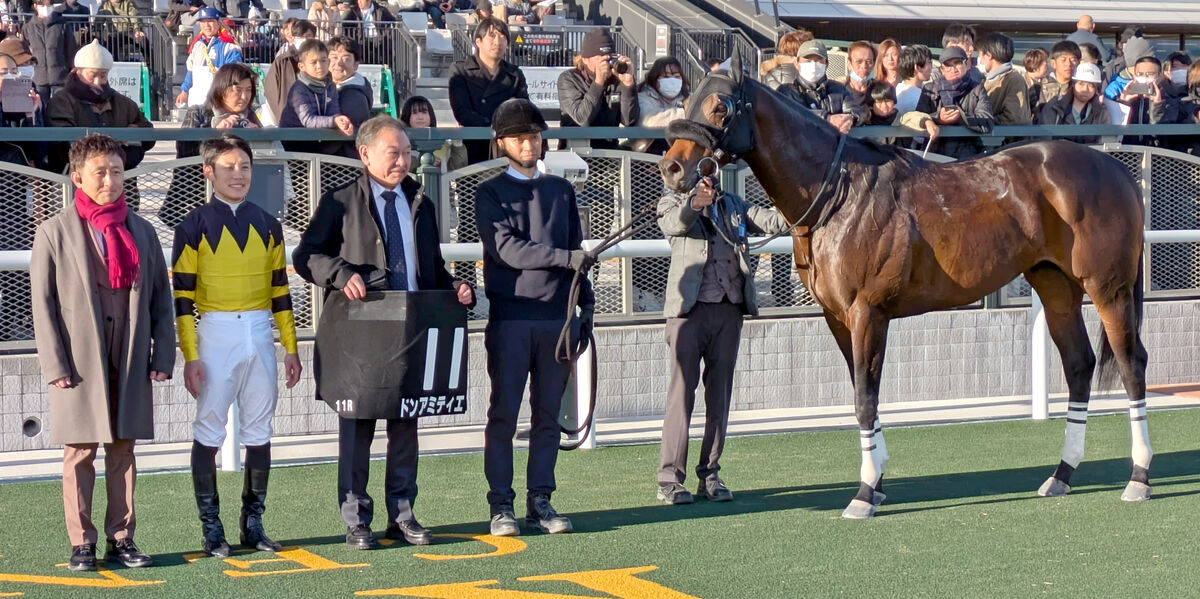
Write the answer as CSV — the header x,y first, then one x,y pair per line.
x,y
69,334
689,248
344,238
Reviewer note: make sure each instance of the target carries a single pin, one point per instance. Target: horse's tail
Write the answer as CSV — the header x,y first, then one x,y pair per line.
x,y
1105,377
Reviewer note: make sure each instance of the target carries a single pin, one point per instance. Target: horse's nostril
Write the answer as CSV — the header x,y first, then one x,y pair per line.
x,y
674,168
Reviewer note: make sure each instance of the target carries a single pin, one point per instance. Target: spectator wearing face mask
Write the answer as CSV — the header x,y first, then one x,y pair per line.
x,y
1149,103
860,65
1005,87
955,100
660,100
1175,69
1189,112
827,99
916,68
1080,106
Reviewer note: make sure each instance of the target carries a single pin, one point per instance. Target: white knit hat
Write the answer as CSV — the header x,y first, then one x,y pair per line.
x,y
93,56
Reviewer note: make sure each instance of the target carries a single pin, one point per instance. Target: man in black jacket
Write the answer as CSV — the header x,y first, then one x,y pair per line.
x,y
529,225
480,83
827,99
586,92
52,43
380,227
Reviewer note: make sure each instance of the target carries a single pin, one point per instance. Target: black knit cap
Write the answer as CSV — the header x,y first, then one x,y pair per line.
x,y
597,42
517,116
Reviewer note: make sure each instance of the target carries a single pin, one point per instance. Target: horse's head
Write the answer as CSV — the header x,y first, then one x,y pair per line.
x,y
717,128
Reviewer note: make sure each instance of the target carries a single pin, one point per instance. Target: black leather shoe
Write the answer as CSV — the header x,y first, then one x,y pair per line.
x,y
360,537
83,558
410,532
126,553
714,489
504,522
541,515
216,547
673,494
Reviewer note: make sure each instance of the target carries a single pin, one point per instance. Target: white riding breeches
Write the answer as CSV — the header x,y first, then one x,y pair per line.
x,y
237,350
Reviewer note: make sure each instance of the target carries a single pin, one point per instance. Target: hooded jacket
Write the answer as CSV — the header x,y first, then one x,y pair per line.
x,y
825,98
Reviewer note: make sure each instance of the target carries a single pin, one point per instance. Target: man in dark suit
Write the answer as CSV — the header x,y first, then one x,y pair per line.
x,y
379,228
480,83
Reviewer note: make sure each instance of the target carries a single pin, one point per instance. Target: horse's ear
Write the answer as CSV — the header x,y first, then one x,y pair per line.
x,y
735,66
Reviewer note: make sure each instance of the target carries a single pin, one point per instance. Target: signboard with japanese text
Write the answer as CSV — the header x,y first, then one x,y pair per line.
x,y
543,85
126,79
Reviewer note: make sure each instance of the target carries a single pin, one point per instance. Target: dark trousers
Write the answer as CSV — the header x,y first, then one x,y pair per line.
x,y
517,351
354,466
709,332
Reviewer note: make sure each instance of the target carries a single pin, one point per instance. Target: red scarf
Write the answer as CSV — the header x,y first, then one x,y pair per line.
x,y
120,248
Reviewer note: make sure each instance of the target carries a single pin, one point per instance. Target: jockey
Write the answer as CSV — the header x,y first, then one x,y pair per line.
x,y
213,48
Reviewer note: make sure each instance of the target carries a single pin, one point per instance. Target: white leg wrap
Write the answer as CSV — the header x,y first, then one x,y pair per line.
x,y
1141,434
1072,452
882,447
872,457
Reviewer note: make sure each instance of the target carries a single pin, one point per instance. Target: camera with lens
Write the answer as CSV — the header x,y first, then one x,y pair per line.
x,y
620,67
242,123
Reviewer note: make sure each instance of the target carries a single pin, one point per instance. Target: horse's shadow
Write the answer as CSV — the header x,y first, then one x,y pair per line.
x,y
905,495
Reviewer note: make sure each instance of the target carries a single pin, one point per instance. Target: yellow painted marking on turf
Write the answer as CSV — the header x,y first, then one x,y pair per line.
x,y
619,584
108,580
11,594
310,562
503,545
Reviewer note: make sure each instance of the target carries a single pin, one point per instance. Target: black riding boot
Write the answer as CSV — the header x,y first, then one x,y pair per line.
x,y
208,503
254,494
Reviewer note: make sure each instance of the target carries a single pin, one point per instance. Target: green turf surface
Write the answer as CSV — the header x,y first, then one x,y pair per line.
x,y
961,519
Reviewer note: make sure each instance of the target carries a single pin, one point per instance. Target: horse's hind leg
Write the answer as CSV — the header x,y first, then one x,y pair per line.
x,y
1120,317
1062,299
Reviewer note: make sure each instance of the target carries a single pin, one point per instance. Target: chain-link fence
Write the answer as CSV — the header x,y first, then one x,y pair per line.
x,y
620,185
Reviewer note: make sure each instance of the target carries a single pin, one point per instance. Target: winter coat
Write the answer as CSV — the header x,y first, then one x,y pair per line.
x,y
121,8
976,116
69,334
1059,112
1144,112
474,96
279,80
52,43
1009,96
69,110
778,72
209,55
825,98
355,98
588,104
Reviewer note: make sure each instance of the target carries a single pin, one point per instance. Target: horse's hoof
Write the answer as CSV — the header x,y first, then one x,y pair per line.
x,y
858,510
878,498
1053,488
1135,491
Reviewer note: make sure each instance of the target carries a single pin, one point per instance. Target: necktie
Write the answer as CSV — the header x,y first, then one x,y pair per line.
x,y
397,267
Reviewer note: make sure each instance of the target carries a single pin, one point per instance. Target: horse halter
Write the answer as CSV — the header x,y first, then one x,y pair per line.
x,y
729,141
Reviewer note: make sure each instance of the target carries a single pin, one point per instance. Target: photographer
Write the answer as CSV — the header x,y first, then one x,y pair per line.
x,y
587,92
229,106
1141,87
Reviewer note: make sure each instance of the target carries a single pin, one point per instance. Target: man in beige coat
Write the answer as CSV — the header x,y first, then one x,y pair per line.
x,y
98,272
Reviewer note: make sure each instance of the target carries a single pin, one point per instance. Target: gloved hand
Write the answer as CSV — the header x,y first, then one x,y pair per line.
x,y
581,260
587,318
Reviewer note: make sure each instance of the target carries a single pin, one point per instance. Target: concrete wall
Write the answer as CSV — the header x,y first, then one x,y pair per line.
x,y
783,363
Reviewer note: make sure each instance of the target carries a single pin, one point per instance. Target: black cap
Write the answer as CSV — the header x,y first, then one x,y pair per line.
x,y
517,116
952,53
597,42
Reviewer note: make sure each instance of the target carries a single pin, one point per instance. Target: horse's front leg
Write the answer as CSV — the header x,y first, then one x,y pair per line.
x,y
868,334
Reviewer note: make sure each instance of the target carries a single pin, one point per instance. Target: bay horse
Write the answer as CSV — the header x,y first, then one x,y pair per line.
x,y
882,234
